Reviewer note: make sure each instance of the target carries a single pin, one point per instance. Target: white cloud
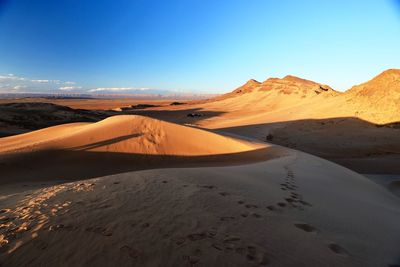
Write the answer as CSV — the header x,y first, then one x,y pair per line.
x,y
69,88
19,87
40,81
11,83
10,78
117,89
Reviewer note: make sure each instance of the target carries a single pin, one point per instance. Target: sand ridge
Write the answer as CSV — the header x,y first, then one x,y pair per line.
x,y
126,134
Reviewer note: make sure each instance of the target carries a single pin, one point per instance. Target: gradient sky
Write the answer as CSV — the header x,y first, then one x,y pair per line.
x,y
193,45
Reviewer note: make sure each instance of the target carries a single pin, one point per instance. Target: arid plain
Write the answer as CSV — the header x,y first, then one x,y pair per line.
x,y
285,172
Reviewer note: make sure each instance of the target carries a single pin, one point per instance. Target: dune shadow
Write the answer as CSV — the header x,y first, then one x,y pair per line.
x,y
349,141
106,142
79,164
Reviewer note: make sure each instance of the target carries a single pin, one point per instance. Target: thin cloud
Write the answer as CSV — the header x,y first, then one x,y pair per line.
x,y
117,89
19,87
10,78
46,81
40,81
70,88
12,83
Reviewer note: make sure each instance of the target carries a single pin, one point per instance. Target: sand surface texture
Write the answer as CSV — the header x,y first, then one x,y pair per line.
x,y
287,208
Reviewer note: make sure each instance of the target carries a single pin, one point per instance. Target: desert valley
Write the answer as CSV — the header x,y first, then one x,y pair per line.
x,y
284,172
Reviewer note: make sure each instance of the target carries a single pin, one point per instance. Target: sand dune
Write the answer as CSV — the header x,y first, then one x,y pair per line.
x,y
118,144
295,210
125,134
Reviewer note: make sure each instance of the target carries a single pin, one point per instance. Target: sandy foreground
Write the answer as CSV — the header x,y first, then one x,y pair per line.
x,y
231,202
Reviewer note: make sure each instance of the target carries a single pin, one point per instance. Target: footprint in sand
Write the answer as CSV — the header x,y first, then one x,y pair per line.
x,y
224,194
131,252
145,225
100,230
291,201
306,227
58,227
281,204
4,211
197,236
253,255
191,259
39,244
231,239
218,246
208,186
250,206
230,242
211,233
227,218
305,203
337,249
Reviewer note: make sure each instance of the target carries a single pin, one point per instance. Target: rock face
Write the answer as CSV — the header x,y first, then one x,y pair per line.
x,y
378,99
295,85
386,84
249,86
279,89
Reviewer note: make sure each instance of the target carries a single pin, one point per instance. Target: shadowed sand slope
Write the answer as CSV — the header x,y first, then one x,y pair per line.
x,y
296,210
355,143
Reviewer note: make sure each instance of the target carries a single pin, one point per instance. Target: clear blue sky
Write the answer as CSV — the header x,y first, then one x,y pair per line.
x,y
194,45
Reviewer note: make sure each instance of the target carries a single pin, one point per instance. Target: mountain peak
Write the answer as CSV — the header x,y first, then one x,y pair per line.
x,y
294,78
247,87
390,74
381,90
252,82
290,84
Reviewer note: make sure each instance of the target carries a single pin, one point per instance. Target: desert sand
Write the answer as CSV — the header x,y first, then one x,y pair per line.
x,y
131,190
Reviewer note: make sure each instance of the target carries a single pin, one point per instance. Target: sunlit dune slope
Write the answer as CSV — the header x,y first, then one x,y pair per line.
x,y
126,134
292,98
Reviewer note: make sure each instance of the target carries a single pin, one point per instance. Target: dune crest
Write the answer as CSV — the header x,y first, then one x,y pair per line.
x,y
125,134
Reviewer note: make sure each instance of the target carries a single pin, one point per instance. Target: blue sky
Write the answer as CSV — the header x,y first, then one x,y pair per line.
x,y
193,45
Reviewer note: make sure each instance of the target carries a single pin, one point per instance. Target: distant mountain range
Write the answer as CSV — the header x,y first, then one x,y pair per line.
x,y
111,95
